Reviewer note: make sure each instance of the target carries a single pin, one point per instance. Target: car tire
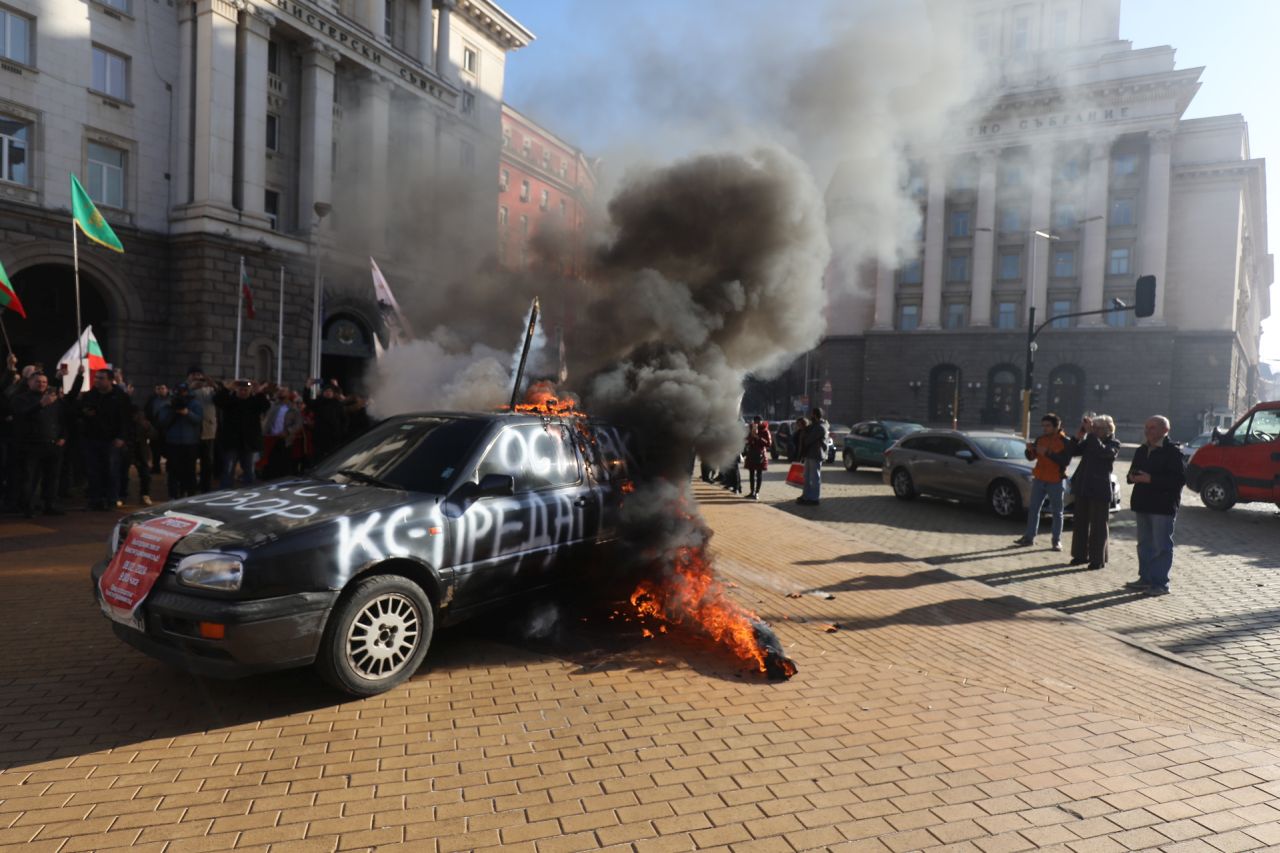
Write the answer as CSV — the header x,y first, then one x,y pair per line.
x,y
1218,493
376,636
904,488
1004,499
850,461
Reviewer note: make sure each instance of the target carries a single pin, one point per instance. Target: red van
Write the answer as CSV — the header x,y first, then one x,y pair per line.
x,y
1242,464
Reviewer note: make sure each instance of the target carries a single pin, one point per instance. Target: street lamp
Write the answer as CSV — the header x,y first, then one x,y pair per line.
x,y
1031,325
321,209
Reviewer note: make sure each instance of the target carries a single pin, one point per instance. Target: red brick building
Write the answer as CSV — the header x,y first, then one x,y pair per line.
x,y
543,183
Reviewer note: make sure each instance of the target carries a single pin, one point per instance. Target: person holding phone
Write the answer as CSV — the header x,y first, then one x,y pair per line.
x,y
1158,474
1096,445
1051,454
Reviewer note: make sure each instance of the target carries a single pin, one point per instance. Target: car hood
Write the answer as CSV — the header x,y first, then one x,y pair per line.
x,y
253,516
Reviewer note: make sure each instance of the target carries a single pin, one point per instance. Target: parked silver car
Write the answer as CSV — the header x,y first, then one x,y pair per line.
x,y
972,466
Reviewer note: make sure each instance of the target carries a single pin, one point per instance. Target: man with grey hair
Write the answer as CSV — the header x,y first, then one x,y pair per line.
x,y
1158,474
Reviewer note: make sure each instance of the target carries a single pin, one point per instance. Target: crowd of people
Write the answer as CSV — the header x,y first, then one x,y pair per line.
x,y
108,441
809,442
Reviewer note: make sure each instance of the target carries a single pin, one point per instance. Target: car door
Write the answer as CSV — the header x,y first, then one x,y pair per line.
x,y
506,545
954,475
877,441
927,464
1254,456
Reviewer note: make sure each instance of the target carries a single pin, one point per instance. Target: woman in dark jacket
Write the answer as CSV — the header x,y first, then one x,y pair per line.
x,y
1097,448
756,458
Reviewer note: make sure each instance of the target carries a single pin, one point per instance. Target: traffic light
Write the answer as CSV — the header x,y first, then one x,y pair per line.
x,y
1035,399
1145,297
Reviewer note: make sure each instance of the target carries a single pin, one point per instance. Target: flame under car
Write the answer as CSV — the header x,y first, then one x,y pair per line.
x,y
423,522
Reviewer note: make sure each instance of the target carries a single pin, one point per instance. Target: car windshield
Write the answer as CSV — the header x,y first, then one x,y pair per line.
x,y
420,454
1001,447
898,430
839,428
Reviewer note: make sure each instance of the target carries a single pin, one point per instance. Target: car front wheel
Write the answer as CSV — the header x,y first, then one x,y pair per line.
x,y
850,461
903,487
1218,493
1004,498
377,636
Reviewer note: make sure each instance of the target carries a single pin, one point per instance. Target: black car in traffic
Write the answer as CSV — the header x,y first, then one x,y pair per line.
x,y
420,523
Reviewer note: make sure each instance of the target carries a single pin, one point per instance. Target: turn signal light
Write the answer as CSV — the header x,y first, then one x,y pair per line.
x,y
213,630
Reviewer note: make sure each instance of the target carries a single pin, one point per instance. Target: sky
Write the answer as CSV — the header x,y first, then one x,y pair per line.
x,y
590,77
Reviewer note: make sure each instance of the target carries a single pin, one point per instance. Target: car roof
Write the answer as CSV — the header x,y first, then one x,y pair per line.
x,y
960,433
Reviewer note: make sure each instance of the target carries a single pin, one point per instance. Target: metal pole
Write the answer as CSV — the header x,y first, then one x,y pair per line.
x,y
524,352
280,333
7,344
955,404
75,262
1030,368
239,305
316,297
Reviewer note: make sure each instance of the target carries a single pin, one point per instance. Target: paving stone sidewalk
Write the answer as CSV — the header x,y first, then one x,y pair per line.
x,y
929,713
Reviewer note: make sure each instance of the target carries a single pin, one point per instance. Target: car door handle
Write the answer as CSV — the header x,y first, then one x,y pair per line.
x,y
580,502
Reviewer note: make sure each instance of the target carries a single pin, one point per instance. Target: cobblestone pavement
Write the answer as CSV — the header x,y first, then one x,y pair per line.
x,y
1224,611
930,713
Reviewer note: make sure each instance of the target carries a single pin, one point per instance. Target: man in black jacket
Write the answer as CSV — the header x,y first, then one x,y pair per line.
x,y
104,414
240,432
41,422
1158,474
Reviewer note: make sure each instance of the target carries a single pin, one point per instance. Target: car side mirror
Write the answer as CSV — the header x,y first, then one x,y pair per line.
x,y
496,485
966,455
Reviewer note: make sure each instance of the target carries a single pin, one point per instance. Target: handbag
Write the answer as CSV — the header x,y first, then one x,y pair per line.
x,y
795,476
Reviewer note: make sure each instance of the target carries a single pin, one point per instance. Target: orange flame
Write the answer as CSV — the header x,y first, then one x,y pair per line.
x,y
542,398
692,596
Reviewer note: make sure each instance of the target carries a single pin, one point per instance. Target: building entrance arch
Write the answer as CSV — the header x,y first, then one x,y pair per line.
x,y
346,350
47,291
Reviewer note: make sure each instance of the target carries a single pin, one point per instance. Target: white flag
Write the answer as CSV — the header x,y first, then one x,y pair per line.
x,y
84,351
398,327
378,351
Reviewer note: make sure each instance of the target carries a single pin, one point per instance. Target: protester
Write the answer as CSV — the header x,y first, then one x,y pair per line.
x,y
139,442
793,440
41,422
152,408
330,419
813,449
1095,444
240,430
358,420
1158,474
1051,454
104,413
764,431
756,455
282,436
202,389
181,421
10,460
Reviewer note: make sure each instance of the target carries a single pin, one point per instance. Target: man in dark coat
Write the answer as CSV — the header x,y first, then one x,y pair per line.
x,y
330,420
41,422
240,431
1096,445
104,413
1158,474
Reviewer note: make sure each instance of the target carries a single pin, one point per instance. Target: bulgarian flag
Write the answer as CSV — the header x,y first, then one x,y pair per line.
x,y
85,350
9,296
245,293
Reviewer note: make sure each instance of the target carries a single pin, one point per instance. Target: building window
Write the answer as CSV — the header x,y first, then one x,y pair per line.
x,y
15,37
1064,263
527,148
944,387
1021,34
13,150
955,317
524,226
506,138
1118,262
1117,319
502,215
273,132
1064,217
958,267
470,60
564,168
273,57
1122,211
959,223
504,180
909,317
468,102
1010,219
389,19
1061,306
1003,393
546,159
544,200
524,190
1006,315
106,175
911,272
1123,165
1010,266
121,5
110,73
271,207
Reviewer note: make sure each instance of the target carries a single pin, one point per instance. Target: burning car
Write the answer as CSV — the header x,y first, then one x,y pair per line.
x,y
422,522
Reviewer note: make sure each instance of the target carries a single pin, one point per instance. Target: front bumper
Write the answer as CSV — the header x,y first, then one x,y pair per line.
x,y
263,635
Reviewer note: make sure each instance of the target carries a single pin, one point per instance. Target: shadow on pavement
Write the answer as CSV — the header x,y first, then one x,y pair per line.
x,y
1096,601
954,611
863,557
859,582
1030,573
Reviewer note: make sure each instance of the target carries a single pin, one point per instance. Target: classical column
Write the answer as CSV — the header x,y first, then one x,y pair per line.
x,y
315,182
934,240
426,33
884,297
984,239
185,101
1041,190
377,20
1154,252
444,66
372,167
1093,262
253,98
213,157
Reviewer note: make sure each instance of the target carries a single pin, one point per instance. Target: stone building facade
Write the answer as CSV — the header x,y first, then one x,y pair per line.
x,y
302,135
1080,175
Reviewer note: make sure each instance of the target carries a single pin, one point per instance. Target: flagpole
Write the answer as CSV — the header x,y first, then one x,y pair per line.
x,y
7,344
239,300
280,334
75,263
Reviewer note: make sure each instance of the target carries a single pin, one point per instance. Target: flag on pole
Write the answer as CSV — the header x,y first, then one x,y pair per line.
x,y
245,291
378,351
8,296
397,325
84,350
90,220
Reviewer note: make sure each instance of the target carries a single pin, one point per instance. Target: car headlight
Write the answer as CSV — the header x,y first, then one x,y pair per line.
x,y
211,571
113,541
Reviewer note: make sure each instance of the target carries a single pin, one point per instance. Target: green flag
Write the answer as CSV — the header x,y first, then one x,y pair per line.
x,y
90,220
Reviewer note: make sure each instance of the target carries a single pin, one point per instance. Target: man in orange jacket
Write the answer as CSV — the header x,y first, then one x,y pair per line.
x,y
1049,452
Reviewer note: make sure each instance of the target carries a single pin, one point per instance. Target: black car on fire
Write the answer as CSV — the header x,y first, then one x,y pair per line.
x,y
420,523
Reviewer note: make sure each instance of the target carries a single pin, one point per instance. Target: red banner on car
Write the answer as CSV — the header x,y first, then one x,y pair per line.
x,y
134,568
